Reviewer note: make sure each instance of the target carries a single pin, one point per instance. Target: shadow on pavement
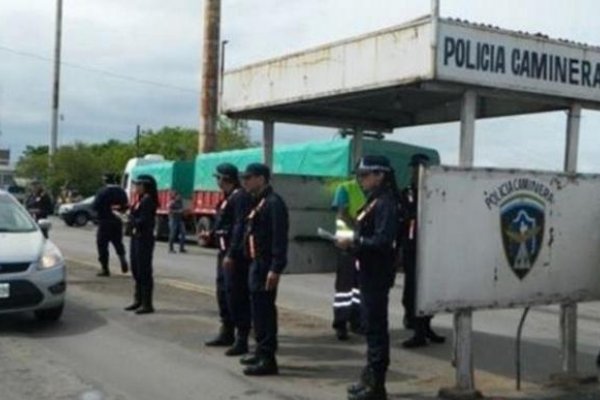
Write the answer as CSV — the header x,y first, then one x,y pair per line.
x,y
76,320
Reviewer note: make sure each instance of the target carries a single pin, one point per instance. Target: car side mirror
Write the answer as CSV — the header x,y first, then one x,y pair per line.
x,y
45,226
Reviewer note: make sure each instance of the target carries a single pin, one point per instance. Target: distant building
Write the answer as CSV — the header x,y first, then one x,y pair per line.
x,y
7,173
4,157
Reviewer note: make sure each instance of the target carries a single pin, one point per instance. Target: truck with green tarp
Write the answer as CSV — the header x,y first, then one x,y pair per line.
x,y
170,176
309,172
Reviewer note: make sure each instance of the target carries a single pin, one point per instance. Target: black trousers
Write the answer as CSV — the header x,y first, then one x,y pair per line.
x,y
409,295
141,254
233,295
109,231
347,300
264,311
375,309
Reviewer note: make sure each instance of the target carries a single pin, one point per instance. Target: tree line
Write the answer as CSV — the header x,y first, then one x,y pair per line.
x,y
80,166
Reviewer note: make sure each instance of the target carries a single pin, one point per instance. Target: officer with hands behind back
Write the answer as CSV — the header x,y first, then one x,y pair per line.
x,y
266,241
375,247
233,296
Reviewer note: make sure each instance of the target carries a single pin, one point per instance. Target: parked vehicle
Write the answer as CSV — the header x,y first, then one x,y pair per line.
x,y
170,176
321,159
32,268
135,162
78,214
19,192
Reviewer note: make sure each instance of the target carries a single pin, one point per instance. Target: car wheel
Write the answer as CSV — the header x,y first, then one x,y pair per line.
x,y
50,314
81,219
203,226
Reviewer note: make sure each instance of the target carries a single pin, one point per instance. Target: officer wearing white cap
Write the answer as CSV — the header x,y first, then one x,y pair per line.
x,y
375,247
233,295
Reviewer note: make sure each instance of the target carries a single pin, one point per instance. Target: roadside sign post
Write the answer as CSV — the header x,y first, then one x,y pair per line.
x,y
463,319
568,311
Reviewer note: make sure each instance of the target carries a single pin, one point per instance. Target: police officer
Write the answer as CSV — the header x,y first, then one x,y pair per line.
x,y
421,325
266,243
142,218
347,201
110,199
374,245
233,295
38,203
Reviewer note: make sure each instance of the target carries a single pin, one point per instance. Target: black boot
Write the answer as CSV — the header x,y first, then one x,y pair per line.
x,y
342,334
225,337
370,387
146,296
124,264
104,272
431,335
419,338
250,359
265,366
240,347
137,301
360,385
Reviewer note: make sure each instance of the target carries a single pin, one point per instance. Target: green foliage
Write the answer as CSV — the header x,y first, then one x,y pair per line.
x,y
80,166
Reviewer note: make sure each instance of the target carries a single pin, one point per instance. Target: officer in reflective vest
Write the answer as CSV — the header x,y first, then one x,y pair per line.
x,y
409,201
233,296
347,201
374,245
267,243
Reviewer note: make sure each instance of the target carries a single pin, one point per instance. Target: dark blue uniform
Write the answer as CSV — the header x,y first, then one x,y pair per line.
x,y
267,244
110,227
142,219
375,247
232,285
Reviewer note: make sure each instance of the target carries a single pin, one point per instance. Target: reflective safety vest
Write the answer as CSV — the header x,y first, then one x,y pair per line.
x,y
356,200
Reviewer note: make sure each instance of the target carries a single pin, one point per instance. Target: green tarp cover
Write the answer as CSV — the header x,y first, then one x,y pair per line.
x,y
325,159
170,175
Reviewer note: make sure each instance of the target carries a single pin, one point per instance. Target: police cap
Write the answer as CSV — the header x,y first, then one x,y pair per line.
x,y
228,171
144,179
374,163
257,169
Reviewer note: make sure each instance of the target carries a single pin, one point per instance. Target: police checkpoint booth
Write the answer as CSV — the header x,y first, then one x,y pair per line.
x,y
488,238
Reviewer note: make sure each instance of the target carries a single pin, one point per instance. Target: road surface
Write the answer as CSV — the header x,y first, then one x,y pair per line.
x,y
98,351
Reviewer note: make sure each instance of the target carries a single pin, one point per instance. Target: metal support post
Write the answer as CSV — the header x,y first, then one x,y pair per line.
x,y
463,319
357,148
268,140
56,82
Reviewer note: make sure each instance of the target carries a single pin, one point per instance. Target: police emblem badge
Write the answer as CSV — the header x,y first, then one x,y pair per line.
x,y
522,220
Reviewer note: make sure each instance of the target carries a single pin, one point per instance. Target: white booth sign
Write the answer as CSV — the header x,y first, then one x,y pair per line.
x,y
507,60
506,238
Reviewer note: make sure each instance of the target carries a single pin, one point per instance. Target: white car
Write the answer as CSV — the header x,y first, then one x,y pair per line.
x,y
32,268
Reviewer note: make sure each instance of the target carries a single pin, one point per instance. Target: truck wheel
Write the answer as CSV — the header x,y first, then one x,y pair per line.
x,y
203,225
161,228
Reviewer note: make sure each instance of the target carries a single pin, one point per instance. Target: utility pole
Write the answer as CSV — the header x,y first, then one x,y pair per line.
x,y
210,77
56,82
137,141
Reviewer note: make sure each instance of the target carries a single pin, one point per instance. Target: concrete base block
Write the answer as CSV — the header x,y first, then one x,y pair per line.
x,y
570,380
459,394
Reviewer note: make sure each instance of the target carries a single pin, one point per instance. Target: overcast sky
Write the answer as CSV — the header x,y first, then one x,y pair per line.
x,y
158,44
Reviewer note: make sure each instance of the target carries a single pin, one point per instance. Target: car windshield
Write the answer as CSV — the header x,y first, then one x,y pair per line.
x,y
89,200
13,217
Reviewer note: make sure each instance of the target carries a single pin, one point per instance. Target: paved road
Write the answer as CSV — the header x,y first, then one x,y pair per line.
x,y
101,352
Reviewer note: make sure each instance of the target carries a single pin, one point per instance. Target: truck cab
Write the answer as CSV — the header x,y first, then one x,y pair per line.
x,y
134,162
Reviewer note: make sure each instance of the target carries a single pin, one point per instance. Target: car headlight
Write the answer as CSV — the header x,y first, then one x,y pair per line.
x,y
51,257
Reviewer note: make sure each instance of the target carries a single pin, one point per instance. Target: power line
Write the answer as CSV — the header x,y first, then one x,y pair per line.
x,y
98,71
